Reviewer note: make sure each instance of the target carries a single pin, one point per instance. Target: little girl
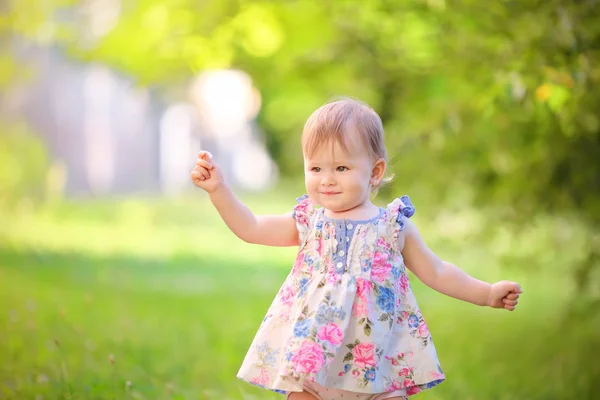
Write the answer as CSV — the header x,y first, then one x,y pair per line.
x,y
345,323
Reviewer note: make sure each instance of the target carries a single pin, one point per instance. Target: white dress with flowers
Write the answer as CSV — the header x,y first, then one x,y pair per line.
x,y
346,316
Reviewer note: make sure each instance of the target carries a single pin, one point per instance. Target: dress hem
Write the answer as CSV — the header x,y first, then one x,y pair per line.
x,y
426,385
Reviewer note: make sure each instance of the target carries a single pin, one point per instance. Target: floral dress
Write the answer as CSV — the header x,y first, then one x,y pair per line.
x,y
346,316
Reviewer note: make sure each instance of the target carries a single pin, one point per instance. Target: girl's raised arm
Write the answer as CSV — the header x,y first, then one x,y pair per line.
x,y
269,230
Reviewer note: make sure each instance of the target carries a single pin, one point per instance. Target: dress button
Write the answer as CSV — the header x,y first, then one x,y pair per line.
x,y
342,253
340,265
347,239
349,226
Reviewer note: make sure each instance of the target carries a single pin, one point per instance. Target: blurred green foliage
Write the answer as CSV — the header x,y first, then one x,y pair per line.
x,y
491,95
502,97
496,104
23,166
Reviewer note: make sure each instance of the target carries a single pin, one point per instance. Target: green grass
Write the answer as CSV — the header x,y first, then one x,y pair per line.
x,y
174,299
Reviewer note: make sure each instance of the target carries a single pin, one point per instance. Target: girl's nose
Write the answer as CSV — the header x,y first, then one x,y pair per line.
x,y
327,180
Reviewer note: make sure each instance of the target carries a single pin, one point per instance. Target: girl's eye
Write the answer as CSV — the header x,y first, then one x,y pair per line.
x,y
315,169
342,169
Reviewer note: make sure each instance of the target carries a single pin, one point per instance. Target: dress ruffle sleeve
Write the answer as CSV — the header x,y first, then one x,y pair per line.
x,y
304,212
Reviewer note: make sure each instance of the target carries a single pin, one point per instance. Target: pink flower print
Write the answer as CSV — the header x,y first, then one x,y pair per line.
x,y
308,358
403,316
287,295
331,333
403,283
404,372
298,264
381,268
379,258
364,288
394,386
423,330
412,389
319,245
332,277
360,308
262,379
355,373
437,375
301,218
301,213
381,242
364,355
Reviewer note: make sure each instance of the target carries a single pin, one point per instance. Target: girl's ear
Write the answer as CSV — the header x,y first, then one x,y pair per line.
x,y
378,171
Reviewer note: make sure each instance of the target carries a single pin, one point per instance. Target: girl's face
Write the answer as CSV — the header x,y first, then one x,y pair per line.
x,y
342,180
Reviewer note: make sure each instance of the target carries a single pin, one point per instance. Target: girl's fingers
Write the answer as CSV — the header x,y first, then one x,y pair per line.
x,y
510,302
512,296
203,172
203,163
197,176
510,308
205,155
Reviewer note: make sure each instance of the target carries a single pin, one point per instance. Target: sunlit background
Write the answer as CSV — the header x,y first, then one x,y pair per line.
x,y
118,280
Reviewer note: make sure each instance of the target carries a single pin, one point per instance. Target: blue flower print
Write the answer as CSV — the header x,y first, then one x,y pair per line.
x,y
433,383
308,260
325,314
321,316
262,347
302,328
319,224
386,299
302,285
340,314
270,358
413,321
352,284
346,367
370,374
395,272
367,265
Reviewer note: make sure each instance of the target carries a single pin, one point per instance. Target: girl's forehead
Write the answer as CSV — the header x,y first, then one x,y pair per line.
x,y
335,152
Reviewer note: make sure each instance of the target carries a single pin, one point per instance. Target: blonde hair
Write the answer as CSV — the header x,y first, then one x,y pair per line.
x,y
330,121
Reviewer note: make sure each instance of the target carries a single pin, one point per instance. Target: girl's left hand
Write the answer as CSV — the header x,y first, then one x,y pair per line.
x,y
504,294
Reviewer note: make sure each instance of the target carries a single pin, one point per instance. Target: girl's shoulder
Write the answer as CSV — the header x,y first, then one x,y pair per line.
x,y
399,209
304,210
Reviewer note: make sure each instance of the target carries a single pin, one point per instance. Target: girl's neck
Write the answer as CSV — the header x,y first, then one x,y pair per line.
x,y
363,211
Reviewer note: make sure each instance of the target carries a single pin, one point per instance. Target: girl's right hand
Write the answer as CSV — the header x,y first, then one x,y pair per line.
x,y
206,174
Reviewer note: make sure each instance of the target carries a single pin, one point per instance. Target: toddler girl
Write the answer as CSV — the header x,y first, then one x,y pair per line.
x,y
345,323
